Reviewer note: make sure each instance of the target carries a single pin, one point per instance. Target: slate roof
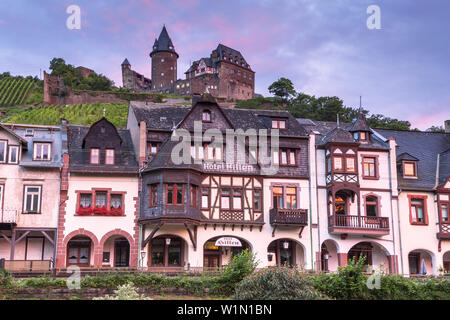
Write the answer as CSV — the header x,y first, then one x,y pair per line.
x,y
424,146
360,124
79,157
166,116
163,43
126,62
224,51
444,166
325,132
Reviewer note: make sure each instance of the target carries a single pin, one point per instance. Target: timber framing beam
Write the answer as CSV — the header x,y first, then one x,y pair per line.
x,y
192,235
150,236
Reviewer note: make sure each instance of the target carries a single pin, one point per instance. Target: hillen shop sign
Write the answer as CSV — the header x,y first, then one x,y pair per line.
x,y
228,242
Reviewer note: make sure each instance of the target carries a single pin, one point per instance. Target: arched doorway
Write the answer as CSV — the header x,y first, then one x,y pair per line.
x,y
446,262
167,251
420,262
116,252
285,252
219,251
375,255
329,256
80,251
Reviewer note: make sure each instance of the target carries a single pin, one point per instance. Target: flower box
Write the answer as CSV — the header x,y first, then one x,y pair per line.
x,y
99,211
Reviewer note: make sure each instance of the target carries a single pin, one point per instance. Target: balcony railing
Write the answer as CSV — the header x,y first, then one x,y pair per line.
x,y
444,230
8,216
358,222
289,216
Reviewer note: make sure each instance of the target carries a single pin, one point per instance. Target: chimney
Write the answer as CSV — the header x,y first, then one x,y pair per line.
x,y
447,126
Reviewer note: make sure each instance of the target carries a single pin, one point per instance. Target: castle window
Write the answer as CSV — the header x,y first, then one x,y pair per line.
x,y
206,116
95,158
109,157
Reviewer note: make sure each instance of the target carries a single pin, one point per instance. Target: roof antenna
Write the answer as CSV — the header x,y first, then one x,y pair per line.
x,y
360,103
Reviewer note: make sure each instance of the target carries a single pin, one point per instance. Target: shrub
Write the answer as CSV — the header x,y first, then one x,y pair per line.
x,y
280,283
124,292
348,283
240,267
6,280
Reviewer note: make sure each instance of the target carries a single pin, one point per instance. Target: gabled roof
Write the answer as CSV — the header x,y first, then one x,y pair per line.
x,y
15,135
79,157
424,146
224,51
163,43
406,156
338,135
360,124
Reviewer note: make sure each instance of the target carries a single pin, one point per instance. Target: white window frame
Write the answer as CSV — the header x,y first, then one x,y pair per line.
x,y
17,154
39,196
41,145
98,156
5,150
106,156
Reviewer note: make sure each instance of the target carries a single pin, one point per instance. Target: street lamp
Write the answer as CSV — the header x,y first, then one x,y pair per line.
x,y
142,257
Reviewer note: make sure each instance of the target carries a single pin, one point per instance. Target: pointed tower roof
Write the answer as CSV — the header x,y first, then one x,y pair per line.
x,y
360,124
126,62
163,43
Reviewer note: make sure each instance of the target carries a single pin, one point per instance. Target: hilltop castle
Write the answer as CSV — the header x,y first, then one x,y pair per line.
x,y
224,74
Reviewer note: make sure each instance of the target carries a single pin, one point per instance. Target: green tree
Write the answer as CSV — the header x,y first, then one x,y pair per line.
x,y
436,129
283,88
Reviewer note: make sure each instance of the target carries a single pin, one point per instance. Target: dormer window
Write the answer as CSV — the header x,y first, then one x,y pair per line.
x,y
206,116
95,156
109,156
153,148
42,151
278,124
409,169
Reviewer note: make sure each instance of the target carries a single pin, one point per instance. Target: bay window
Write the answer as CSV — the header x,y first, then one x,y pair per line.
x,y
194,196
153,195
174,194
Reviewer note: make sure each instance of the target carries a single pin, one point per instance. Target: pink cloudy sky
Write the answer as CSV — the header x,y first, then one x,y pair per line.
x,y
323,46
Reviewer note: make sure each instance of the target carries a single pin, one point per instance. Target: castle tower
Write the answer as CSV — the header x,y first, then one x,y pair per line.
x,y
127,75
164,63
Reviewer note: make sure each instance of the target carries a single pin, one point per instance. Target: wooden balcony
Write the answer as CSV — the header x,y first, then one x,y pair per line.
x,y
289,217
363,225
8,219
444,231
